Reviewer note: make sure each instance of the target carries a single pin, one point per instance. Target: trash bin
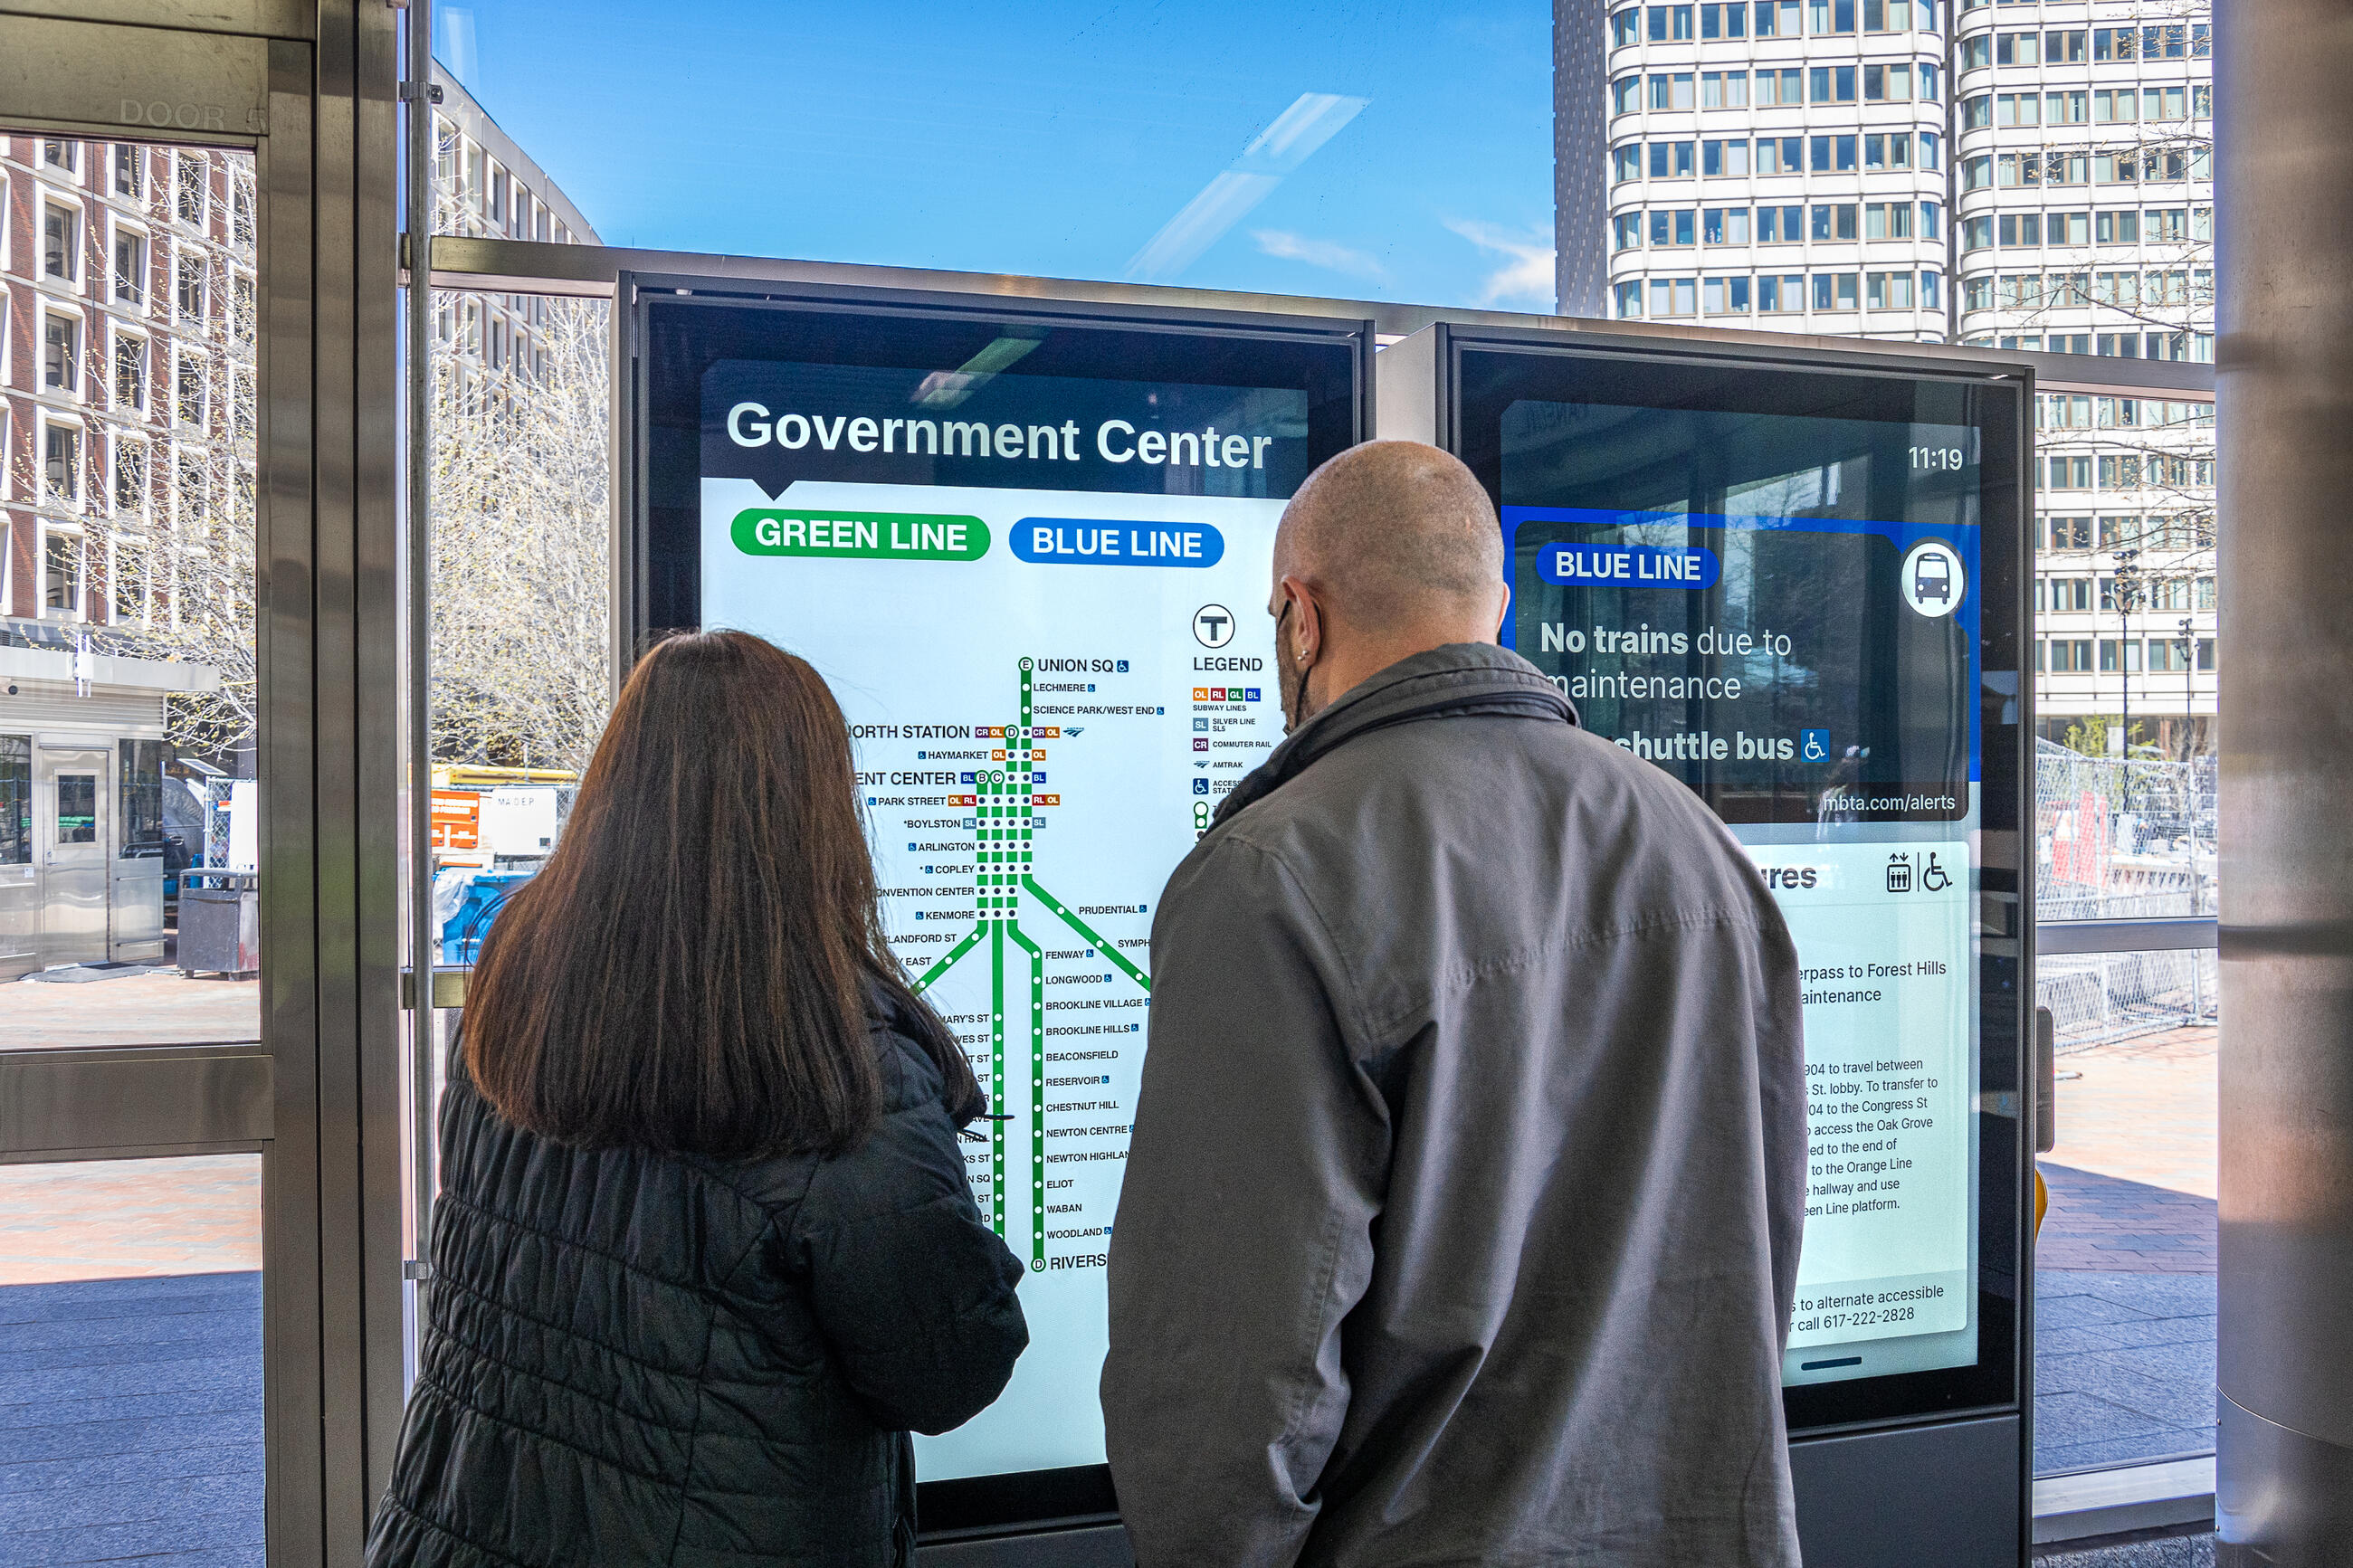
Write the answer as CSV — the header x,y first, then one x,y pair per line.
x,y
478,907
220,922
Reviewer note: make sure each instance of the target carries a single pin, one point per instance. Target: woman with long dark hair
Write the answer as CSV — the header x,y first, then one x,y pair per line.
x,y
704,1253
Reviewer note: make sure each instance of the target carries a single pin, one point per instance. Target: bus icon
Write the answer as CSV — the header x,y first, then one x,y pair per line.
x,y
1932,582
1932,578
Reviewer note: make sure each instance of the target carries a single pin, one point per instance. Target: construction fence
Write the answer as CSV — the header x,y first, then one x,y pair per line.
x,y
2117,839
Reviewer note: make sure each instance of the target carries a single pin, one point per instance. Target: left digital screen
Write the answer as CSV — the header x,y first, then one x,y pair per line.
x,y
1039,600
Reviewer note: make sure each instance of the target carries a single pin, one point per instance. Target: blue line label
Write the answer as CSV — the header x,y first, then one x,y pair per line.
x,y
1583,566
1096,542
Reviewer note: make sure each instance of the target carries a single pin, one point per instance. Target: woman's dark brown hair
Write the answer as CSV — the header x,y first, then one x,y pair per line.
x,y
697,968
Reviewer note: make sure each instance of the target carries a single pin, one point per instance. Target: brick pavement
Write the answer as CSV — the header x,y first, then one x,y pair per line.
x,y
106,1219
164,1008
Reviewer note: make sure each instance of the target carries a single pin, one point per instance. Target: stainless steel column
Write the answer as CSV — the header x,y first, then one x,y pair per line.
x,y
2285,1480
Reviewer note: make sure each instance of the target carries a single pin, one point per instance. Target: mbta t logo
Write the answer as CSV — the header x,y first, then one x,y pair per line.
x,y
1213,625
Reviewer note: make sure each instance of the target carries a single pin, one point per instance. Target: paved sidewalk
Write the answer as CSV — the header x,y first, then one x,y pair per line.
x,y
2123,1353
163,1008
106,1219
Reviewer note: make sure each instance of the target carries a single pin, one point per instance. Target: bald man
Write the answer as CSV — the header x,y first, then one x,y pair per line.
x,y
1461,1212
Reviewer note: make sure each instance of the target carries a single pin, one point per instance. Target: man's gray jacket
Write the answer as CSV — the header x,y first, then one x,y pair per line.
x,y
1461,1212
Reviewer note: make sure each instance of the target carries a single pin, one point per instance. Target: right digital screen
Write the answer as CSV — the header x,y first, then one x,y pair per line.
x,y
1789,591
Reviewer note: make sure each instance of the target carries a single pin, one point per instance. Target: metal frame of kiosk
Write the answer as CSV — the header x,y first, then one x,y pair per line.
x,y
1034,1518
1921,1468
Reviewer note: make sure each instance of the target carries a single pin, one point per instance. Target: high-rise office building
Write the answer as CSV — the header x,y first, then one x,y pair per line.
x,y
2009,177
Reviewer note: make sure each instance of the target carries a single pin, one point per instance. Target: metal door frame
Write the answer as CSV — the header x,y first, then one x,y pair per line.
x,y
318,1095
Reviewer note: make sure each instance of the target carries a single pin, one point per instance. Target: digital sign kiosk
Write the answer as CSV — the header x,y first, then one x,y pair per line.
x,y
1027,545
1796,581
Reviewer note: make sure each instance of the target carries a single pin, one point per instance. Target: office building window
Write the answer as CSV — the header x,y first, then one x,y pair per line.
x,y
1832,220
1830,84
2018,109
130,170
2115,228
1888,220
60,573
1831,154
60,353
1725,159
130,268
1724,89
1626,95
59,242
1780,225
2071,655
1888,290
1781,294
2070,533
191,293
2070,473
1887,151
1829,16
130,475
1835,291
1976,174
1724,296
1976,293
1670,23
190,188
1674,296
2119,656
1976,113
1777,18
1629,302
1977,233
1626,231
1626,27
1723,21
1780,154
61,462
1931,290
1724,225
1886,83
1670,89
1625,164
129,371
190,389
1776,88
1671,160
1931,220
1671,227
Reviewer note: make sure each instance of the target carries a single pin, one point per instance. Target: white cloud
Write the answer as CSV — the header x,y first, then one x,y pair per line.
x,y
1330,255
1527,276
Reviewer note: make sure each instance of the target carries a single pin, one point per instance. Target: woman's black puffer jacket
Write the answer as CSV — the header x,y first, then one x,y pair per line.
x,y
636,1358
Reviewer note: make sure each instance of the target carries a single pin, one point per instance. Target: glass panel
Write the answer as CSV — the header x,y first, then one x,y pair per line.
x,y
131,1336
128,798
1405,157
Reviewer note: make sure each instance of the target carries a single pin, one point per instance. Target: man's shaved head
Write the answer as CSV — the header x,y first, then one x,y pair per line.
x,y
1395,533
1388,550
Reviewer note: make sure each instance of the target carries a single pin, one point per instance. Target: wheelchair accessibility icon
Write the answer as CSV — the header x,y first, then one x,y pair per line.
x,y
1814,745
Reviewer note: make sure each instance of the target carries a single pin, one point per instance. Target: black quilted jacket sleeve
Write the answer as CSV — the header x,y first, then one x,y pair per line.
x,y
913,1292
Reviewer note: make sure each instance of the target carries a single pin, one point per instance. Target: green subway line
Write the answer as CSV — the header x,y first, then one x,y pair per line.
x,y
1094,938
996,1073
958,951
1037,1094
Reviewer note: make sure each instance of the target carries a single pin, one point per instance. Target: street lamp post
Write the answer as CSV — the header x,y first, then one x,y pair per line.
x,y
2188,647
2125,589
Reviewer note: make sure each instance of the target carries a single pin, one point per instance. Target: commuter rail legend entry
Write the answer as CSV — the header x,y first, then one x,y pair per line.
x,y
1029,550
1795,581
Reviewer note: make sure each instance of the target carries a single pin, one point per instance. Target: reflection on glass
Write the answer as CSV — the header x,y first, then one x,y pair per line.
x,y
127,637
131,1332
77,808
1400,154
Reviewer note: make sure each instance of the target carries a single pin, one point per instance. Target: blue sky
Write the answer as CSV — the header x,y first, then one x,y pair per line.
x,y
1393,152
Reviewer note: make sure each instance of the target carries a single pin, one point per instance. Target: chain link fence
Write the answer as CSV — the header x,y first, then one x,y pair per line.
x,y
2117,839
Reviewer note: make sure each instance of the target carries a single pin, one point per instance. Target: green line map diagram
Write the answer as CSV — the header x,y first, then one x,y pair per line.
x,y
1007,810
